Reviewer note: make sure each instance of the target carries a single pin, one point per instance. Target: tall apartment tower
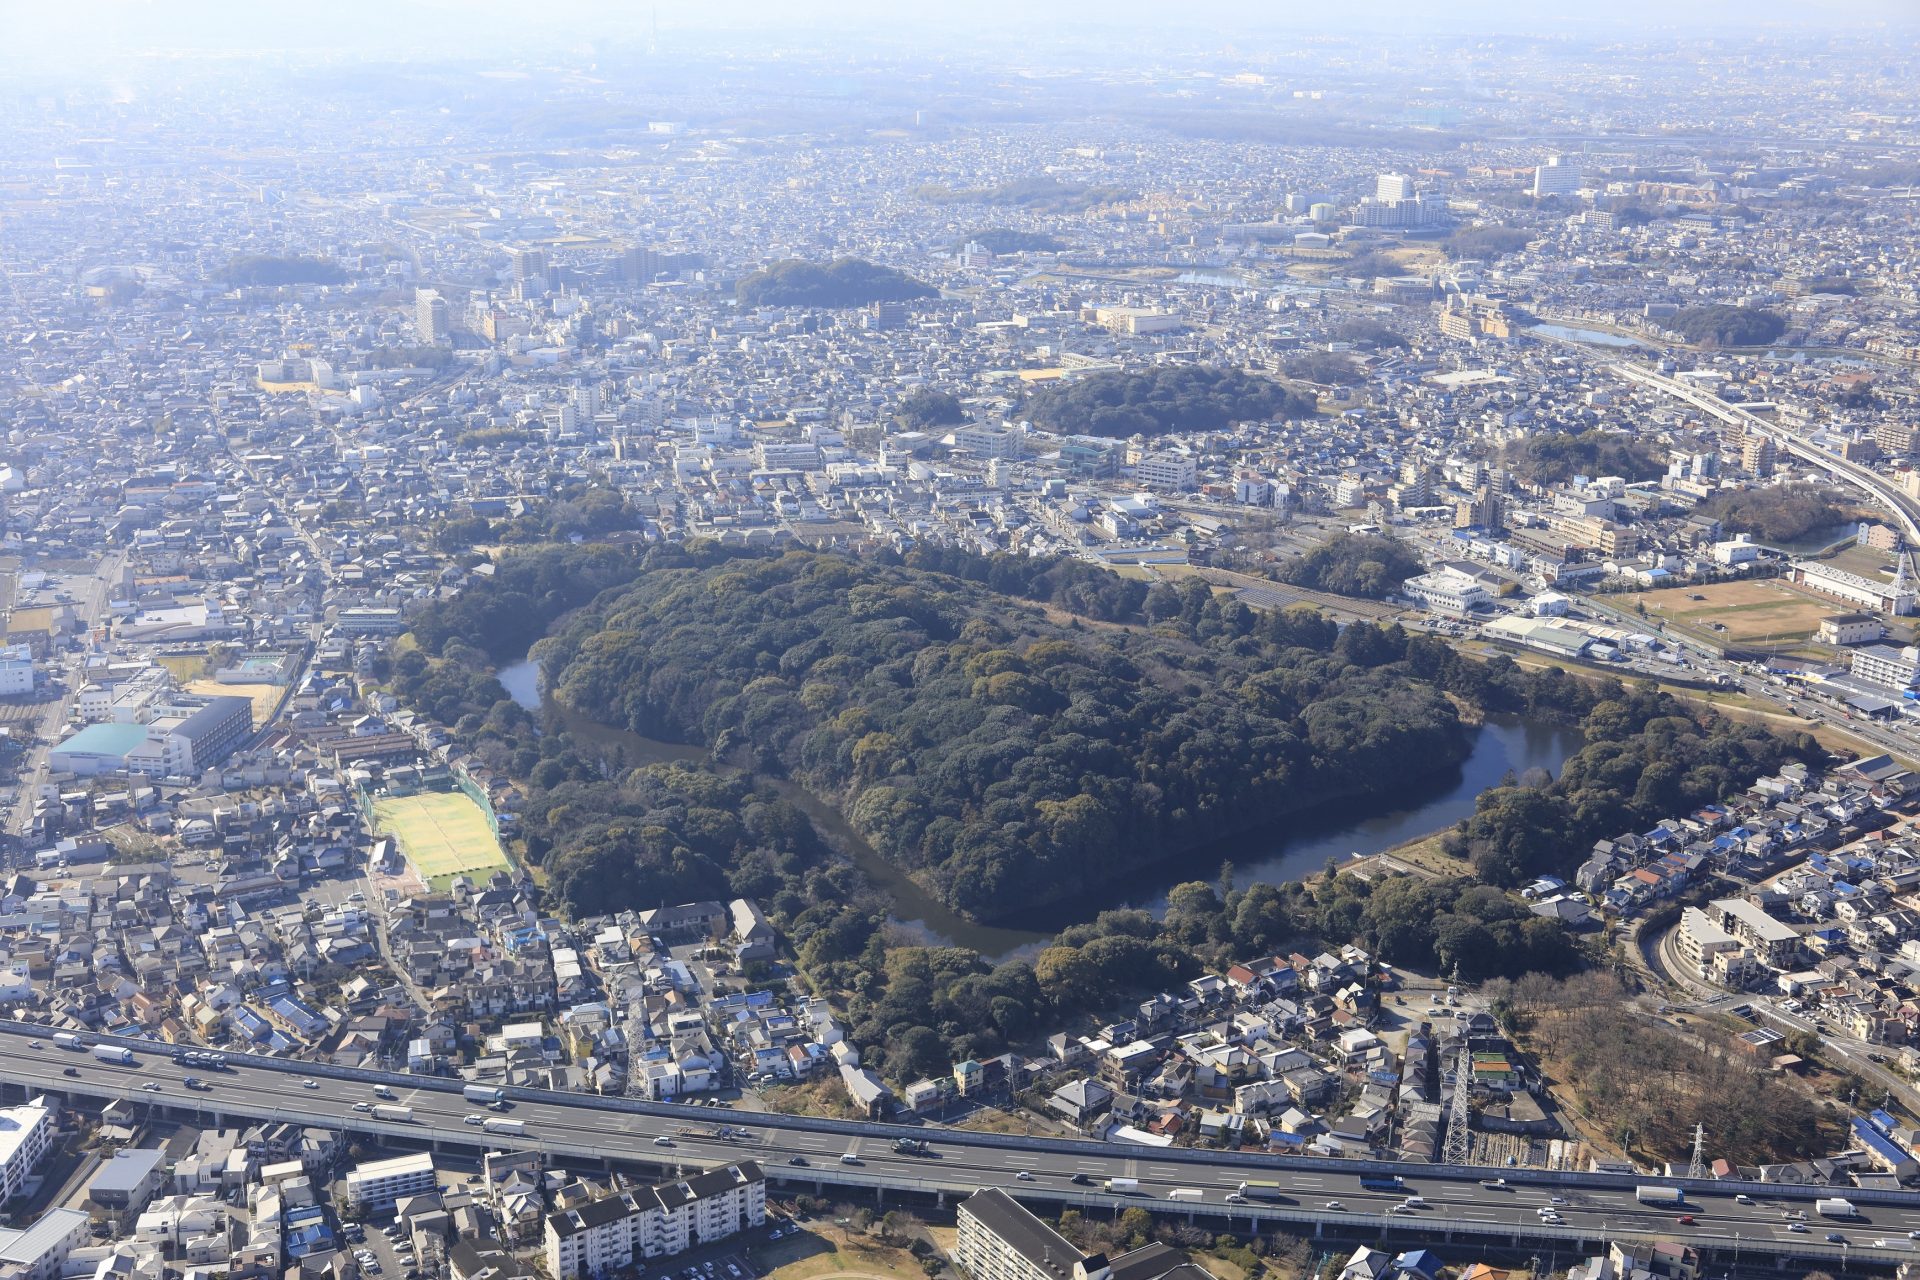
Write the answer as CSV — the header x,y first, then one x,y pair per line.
x,y
432,319
1393,186
1559,176
530,266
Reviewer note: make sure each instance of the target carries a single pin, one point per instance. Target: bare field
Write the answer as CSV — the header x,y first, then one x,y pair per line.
x,y
1754,612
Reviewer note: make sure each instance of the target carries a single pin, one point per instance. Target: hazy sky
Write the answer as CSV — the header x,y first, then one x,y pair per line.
x,y
46,34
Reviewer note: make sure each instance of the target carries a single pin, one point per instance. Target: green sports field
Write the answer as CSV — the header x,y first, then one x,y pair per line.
x,y
443,834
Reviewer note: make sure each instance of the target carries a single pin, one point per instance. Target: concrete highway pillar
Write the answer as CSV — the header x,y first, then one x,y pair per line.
x,y
940,1199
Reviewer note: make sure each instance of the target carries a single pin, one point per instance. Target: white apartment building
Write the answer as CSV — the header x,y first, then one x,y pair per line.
x,y
618,1230
41,1251
1559,176
1897,668
26,1133
999,1240
379,1183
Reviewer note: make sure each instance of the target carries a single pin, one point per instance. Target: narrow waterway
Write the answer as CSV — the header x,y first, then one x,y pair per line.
x,y
1289,849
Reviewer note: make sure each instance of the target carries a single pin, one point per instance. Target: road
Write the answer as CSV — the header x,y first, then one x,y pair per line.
x,y
582,1127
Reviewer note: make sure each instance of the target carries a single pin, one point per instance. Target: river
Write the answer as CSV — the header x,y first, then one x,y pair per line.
x,y
1290,849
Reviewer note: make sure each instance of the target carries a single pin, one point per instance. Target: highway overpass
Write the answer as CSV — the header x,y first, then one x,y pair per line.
x,y
1905,510
585,1130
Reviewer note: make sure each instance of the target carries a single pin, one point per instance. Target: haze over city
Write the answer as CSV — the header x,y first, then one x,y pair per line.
x,y
1073,641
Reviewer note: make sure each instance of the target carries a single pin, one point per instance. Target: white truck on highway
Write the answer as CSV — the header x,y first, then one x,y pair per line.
x,y
118,1055
1187,1193
68,1040
1667,1196
1835,1207
483,1093
387,1111
1125,1186
512,1127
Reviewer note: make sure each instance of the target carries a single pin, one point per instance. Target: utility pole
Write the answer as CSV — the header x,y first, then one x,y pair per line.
x,y
1459,1145
1698,1168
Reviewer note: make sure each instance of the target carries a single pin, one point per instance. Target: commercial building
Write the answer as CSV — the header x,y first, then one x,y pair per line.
x,y
125,1183
1447,591
97,749
1851,629
26,1134
1896,597
618,1230
379,1183
1166,471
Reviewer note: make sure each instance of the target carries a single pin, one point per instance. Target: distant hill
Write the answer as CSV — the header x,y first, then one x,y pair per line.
x,y
1154,402
844,282
1720,326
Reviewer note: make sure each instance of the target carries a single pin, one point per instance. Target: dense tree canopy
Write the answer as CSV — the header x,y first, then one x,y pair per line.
x,y
1002,240
528,590
1721,326
1000,758
1648,756
268,269
906,692
1777,513
1554,457
1153,402
1354,564
1325,366
1485,242
928,408
844,282
1370,332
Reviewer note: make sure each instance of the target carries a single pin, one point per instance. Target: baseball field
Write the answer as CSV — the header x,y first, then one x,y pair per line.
x,y
1759,611
443,834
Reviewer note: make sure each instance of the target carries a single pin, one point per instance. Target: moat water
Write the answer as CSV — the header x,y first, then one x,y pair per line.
x,y
1288,849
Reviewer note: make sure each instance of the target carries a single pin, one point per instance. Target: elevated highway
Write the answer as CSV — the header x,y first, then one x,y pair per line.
x,y
1904,510
1319,1197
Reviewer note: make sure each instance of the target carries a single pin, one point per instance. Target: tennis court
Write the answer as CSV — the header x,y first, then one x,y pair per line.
x,y
443,834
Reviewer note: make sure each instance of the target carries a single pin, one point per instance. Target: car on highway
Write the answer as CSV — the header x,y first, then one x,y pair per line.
x,y
33,1044
1743,1198
1685,1219
197,1084
1080,1180
663,1141
1799,1227
1834,1237
473,1117
801,1161
1335,1205
70,1071
151,1086
1024,1176
309,1084
363,1106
